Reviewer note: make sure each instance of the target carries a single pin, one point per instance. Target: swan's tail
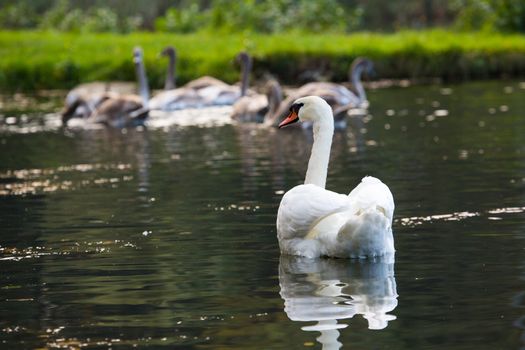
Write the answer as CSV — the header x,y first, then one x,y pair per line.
x,y
369,232
372,193
369,229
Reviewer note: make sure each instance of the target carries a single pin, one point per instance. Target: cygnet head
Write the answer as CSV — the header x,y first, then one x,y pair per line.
x,y
168,51
243,58
362,64
310,108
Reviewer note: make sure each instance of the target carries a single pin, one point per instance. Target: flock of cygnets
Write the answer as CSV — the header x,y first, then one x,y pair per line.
x,y
311,221
116,104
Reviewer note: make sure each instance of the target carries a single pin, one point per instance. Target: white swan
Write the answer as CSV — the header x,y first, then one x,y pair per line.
x,y
313,221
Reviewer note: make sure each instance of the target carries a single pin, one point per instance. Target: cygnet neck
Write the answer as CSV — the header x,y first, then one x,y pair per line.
x,y
143,82
169,83
246,68
357,71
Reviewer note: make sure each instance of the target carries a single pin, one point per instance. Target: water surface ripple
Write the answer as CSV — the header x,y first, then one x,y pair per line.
x,y
164,236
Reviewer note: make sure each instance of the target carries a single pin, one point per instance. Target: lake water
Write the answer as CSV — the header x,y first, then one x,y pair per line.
x,y
165,237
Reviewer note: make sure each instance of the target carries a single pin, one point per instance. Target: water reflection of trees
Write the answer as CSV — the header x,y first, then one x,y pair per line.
x,y
327,291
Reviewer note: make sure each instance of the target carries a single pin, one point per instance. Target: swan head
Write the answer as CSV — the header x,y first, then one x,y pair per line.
x,y
310,108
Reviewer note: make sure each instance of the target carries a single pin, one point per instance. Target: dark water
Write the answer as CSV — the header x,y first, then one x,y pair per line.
x,y
165,237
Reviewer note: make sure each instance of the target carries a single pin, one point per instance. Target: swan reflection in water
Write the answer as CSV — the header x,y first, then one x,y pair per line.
x,y
329,290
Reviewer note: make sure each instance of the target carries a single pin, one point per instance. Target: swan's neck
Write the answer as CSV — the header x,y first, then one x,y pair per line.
x,y
245,76
169,84
356,82
318,164
143,83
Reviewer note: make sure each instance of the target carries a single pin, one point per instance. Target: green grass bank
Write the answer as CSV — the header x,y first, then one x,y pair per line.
x,y
42,60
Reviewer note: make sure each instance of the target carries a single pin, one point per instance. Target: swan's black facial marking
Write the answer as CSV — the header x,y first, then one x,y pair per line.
x,y
295,108
293,116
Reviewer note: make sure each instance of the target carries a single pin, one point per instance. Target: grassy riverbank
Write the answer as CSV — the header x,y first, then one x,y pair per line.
x,y
35,60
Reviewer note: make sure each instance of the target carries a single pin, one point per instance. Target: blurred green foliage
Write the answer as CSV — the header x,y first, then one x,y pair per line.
x,y
62,16
280,16
490,15
184,20
18,16
261,16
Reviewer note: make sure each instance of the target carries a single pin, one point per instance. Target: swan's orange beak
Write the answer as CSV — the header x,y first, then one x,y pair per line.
x,y
291,118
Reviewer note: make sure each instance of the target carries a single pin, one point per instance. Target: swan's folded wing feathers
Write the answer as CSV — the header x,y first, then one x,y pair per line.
x,y
303,206
371,192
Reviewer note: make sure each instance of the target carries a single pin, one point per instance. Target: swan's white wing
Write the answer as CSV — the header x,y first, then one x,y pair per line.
x,y
371,192
304,206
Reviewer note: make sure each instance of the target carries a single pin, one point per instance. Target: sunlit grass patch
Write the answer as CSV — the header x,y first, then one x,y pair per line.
x,y
33,60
